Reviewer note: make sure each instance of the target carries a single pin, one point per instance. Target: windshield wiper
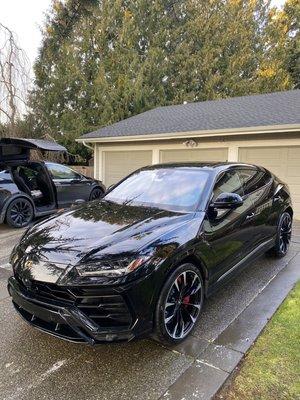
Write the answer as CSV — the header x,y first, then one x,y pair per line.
x,y
128,201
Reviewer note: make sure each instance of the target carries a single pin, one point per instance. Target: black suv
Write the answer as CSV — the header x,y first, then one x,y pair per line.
x,y
142,259
30,188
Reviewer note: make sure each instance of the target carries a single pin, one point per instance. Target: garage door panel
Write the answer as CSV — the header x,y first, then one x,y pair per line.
x,y
217,154
295,191
293,152
293,171
293,174
283,161
263,157
273,154
118,164
296,203
278,170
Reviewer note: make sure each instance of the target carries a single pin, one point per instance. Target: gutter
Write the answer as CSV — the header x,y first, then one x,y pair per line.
x,y
86,145
258,130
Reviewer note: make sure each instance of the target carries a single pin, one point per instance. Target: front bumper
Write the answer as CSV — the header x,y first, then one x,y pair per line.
x,y
86,315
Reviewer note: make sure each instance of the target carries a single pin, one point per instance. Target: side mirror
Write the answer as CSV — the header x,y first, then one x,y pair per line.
x,y
227,201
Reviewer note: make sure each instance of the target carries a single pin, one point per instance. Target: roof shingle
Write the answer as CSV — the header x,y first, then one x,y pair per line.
x,y
278,108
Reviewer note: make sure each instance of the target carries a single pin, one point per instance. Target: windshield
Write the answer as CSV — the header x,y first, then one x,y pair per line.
x,y
176,189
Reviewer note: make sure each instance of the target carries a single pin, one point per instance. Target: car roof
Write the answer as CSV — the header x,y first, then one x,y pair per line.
x,y
207,165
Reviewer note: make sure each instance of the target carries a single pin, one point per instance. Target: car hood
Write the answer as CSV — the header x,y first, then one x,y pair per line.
x,y
97,229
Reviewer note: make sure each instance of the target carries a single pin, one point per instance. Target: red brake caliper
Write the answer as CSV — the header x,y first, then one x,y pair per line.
x,y
186,300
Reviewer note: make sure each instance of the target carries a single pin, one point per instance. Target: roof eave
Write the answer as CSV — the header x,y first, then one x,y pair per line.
x,y
191,134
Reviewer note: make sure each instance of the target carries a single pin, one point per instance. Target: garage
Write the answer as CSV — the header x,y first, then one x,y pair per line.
x,y
283,161
118,164
261,129
215,154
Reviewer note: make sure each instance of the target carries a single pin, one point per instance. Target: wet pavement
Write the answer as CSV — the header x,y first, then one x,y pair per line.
x,y
34,365
8,238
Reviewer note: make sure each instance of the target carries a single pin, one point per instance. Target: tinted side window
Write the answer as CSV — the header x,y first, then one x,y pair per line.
x,y
253,180
228,182
62,172
28,173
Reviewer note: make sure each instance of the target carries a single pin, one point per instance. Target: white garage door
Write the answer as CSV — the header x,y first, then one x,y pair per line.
x,y
283,162
118,164
194,155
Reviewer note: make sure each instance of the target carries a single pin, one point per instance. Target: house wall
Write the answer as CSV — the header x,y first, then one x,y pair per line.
x,y
286,165
232,144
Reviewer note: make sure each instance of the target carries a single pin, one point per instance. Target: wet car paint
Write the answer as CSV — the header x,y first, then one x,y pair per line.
x,y
99,230
102,229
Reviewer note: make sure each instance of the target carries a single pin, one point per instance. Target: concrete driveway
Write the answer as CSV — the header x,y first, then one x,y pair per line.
x,y
36,366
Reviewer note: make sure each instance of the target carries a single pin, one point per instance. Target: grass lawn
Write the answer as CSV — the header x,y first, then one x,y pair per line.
x,y
271,369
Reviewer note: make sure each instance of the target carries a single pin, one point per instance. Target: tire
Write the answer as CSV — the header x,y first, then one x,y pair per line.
x,y
283,236
96,193
19,213
179,305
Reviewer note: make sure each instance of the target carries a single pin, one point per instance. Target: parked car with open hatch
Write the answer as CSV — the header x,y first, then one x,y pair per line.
x,y
30,189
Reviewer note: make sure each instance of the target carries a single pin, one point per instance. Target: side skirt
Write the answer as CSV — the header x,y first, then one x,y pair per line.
x,y
45,213
241,265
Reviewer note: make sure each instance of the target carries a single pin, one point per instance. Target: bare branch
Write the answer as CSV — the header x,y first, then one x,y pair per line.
x,y
14,79
5,112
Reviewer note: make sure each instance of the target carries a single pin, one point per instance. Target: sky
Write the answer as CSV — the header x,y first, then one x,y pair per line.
x,y
25,18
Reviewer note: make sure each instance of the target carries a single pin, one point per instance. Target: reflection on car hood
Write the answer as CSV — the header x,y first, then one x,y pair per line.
x,y
97,227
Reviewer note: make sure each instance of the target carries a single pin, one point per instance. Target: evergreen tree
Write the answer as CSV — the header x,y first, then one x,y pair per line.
x,y
284,36
103,61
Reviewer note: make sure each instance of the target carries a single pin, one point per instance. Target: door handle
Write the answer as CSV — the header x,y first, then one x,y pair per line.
x,y
249,216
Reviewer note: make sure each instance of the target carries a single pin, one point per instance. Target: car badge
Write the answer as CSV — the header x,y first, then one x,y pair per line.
x,y
28,264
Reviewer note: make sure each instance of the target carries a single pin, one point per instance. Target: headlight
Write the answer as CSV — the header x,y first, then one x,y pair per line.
x,y
111,267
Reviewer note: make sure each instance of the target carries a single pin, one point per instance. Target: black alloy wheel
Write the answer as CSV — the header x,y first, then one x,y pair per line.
x,y
284,235
179,305
19,213
96,193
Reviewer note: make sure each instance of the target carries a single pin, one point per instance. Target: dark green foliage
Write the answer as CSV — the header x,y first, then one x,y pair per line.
x,y
103,61
289,20
24,128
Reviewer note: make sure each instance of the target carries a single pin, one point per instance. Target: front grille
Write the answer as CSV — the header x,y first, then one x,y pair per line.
x,y
63,330
106,309
45,291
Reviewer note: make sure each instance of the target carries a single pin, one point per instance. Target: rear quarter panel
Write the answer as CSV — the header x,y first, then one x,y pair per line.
x,y
281,200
